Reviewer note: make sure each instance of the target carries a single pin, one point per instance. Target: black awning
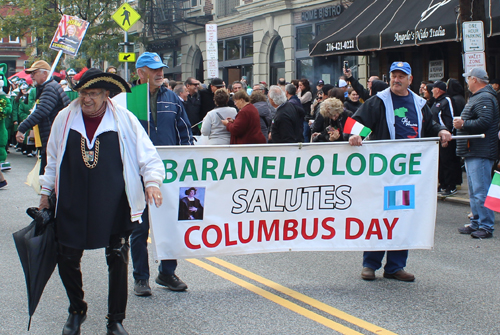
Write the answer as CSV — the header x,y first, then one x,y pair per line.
x,y
492,10
383,24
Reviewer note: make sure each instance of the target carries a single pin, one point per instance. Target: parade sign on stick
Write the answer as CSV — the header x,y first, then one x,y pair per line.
x,y
244,199
69,35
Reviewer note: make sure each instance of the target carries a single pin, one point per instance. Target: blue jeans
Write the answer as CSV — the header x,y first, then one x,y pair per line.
x,y
479,179
139,251
306,132
396,260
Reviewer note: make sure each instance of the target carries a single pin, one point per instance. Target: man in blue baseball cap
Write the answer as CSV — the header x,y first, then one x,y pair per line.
x,y
395,113
169,125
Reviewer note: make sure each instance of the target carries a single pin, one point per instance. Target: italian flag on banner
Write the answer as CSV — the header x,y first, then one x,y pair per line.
x,y
355,128
137,102
493,198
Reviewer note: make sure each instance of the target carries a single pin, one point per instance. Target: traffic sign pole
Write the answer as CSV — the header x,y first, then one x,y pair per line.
x,y
125,48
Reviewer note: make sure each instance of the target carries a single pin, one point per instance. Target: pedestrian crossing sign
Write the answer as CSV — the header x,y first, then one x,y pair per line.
x,y
126,57
126,16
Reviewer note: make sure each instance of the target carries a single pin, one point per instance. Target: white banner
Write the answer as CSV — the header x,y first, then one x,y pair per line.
x,y
243,199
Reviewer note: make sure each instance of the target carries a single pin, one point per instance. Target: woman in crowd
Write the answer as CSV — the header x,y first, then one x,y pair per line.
x,y
23,105
352,103
456,93
245,127
304,94
259,100
212,125
428,95
334,116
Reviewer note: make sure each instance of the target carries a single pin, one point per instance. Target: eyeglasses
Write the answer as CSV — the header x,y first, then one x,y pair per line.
x,y
194,84
33,73
91,95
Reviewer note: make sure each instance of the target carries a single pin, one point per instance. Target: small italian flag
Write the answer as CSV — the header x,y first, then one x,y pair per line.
x,y
137,102
355,128
493,198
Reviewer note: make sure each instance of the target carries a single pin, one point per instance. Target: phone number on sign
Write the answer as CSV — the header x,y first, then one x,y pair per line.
x,y
345,45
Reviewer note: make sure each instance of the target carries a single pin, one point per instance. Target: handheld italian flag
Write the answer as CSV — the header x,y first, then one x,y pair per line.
x,y
137,102
493,198
353,127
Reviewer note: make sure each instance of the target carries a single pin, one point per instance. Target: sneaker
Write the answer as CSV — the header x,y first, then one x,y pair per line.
x,y
449,191
29,155
466,230
3,185
481,233
171,281
368,273
19,150
25,152
141,287
4,166
400,275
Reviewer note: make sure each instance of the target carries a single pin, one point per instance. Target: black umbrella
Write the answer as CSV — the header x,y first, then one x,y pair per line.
x,y
37,248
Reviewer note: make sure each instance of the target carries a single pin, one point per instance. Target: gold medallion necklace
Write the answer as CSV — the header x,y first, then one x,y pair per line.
x,y
91,155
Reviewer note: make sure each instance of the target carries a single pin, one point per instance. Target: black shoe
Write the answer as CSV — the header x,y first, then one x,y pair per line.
x,y
466,230
141,287
481,233
73,324
171,281
449,191
116,328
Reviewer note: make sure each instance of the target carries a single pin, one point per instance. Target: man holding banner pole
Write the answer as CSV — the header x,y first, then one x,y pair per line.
x,y
168,125
395,113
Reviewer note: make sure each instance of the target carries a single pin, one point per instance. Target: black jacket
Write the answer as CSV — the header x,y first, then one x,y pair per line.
x,y
363,93
480,116
321,126
442,111
372,114
51,99
351,105
288,124
207,101
193,111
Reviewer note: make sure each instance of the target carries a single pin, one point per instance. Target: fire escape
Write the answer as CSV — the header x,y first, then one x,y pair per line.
x,y
166,19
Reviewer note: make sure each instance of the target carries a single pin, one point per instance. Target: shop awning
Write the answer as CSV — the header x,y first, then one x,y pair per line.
x,y
492,10
369,25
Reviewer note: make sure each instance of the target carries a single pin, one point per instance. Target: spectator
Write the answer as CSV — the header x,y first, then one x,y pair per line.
x,y
288,122
377,86
259,100
352,102
334,116
212,125
193,103
236,86
343,86
364,94
282,83
495,83
304,93
181,91
245,127
207,96
423,88
480,116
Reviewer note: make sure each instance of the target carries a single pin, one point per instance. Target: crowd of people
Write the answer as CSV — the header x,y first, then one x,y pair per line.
x,y
86,138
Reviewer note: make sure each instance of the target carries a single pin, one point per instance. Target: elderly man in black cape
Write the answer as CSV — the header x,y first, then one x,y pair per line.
x,y
96,155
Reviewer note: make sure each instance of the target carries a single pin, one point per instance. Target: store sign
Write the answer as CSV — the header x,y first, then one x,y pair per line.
x,y
322,13
419,35
436,70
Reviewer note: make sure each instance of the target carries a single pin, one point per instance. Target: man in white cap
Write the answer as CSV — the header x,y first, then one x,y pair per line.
x,y
169,125
480,116
395,113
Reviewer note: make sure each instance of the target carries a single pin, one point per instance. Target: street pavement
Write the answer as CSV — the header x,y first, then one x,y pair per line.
x,y
456,289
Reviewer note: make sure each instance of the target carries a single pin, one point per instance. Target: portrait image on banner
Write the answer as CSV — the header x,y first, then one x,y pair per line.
x,y
69,35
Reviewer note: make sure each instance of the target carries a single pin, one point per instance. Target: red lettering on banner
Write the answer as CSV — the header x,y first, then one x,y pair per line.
x,y
226,233
348,234
205,233
315,229
240,232
374,229
269,233
390,227
329,228
293,229
186,238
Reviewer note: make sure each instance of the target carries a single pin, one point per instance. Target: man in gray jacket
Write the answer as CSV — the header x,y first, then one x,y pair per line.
x,y
480,116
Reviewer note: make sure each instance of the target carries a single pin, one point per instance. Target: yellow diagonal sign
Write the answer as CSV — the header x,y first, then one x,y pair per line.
x,y
126,16
126,56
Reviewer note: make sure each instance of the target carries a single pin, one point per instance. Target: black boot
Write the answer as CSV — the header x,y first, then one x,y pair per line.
x,y
117,259
73,324
116,328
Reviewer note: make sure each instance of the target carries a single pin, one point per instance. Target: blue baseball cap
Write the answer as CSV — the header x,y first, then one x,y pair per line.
x,y
401,66
151,60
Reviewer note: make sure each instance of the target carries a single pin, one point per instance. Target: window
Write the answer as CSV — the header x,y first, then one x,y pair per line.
x,y
13,40
232,49
168,59
247,46
178,58
321,26
194,3
227,7
304,37
220,51
305,69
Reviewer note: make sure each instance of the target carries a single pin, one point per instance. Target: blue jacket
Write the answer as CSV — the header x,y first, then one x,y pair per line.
x,y
172,126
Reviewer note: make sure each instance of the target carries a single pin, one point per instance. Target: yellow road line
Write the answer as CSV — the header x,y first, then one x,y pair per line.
x,y
277,299
304,298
